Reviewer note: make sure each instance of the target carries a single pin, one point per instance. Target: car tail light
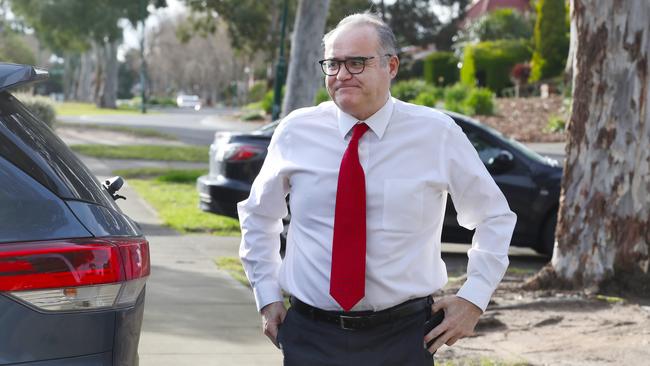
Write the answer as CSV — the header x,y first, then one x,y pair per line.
x,y
76,274
241,152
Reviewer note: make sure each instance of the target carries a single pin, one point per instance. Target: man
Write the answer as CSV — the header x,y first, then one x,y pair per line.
x,y
368,176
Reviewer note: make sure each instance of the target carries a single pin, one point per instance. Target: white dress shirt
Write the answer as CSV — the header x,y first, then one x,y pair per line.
x,y
412,157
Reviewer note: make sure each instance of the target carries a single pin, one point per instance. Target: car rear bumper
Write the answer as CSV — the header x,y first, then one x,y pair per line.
x,y
220,195
97,338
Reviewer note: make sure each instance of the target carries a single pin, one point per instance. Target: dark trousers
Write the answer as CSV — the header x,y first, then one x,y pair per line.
x,y
308,342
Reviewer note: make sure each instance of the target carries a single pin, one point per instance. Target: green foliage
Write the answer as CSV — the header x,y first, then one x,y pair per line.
x,y
257,91
255,115
162,101
555,124
41,107
408,90
455,96
479,101
321,96
413,21
551,40
267,101
499,24
426,99
489,63
14,49
441,68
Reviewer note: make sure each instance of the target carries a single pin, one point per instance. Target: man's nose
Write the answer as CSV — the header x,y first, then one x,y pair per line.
x,y
343,74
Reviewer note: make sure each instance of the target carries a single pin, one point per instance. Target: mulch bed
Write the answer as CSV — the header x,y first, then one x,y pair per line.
x,y
525,119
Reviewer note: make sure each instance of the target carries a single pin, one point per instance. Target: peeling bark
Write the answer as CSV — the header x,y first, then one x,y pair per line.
x,y
604,218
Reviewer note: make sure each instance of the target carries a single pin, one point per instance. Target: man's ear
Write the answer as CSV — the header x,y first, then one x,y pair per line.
x,y
393,66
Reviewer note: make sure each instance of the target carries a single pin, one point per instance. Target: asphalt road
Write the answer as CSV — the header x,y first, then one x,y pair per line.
x,y
189,126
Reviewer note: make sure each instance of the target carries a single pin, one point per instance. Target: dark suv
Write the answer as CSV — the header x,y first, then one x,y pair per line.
x,y
73,267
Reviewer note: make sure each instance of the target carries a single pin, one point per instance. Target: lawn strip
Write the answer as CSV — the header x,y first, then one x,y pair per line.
x,y
145,152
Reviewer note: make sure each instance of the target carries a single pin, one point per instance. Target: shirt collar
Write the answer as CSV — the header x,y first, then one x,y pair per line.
x,y
377,122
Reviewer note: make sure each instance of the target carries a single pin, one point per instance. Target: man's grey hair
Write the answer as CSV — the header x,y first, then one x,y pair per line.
x,y
387,41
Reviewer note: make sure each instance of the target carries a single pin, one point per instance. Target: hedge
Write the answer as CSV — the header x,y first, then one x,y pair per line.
x,y
489,63
441,68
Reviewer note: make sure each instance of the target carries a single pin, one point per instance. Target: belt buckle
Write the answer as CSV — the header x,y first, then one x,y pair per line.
x,y
342,322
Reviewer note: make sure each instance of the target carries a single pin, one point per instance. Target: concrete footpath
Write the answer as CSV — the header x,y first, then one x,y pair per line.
x,y
195,314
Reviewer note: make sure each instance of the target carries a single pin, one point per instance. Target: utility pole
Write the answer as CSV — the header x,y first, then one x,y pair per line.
x,y
143,65
280,70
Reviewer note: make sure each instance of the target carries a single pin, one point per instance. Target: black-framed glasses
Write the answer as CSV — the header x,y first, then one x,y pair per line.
x,y
354,65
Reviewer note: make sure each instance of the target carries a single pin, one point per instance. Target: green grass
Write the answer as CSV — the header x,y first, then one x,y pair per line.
x,y
162,174
137,132
79,109
177,206
145,152
233,266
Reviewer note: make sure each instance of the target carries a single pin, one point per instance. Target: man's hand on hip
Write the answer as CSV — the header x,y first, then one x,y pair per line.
x,y
272,316
461,316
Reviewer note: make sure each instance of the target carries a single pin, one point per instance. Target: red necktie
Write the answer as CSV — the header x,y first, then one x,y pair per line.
x,y
348,276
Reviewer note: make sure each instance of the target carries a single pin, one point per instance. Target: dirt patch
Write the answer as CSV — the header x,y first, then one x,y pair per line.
x,y
526,119
555,328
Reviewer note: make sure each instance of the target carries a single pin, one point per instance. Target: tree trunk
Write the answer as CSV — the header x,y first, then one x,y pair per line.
x,y
108,91
304,76
603,228
83,91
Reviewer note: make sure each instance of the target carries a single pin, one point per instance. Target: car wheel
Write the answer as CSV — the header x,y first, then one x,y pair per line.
x,y
548,235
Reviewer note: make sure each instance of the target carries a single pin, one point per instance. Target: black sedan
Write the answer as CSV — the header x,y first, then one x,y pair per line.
x,y
73,267
530,182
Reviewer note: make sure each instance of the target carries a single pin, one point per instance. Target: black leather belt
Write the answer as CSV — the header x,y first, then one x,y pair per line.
x,y
355,320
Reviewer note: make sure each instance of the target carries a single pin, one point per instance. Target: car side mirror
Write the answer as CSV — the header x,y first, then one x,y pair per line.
x,y
501,163
112,185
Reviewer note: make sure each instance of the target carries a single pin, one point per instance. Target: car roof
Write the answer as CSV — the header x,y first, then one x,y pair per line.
x,y
14,75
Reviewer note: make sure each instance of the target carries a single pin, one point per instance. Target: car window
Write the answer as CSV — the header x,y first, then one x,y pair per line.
x,y
486,150
29,211
32,146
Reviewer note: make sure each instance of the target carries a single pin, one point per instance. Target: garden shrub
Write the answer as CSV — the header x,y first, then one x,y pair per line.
x,y
441,68
408,90
479,101
257,91
489,63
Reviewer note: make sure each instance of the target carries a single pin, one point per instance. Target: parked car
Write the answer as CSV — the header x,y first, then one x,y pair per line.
x,y
530,182
73,267
188,101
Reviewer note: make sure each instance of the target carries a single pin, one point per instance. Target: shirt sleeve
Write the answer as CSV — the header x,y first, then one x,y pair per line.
x,y
480,205
260,217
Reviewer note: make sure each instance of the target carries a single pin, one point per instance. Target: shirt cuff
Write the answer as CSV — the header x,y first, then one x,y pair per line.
x,y
266,293
476,292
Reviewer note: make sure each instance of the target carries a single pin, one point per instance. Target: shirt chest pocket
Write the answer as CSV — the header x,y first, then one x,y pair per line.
x,y
403,205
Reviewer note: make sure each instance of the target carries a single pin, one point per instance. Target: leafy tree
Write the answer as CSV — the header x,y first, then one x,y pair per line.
x,y
413,22
497,25
551,40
